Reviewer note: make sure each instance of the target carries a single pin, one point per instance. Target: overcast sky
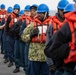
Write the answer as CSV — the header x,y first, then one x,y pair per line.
x,y
51,3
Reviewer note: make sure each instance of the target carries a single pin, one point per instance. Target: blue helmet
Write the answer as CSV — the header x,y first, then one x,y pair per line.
x,y
69,8
2,6
43,8
21,12
10,9
17,6
27,8
62,4
74,0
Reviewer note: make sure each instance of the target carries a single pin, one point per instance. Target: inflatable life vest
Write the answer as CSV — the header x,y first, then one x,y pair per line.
x,y
13,19
23,17
29,20
2,15
56,24
42,26
72,45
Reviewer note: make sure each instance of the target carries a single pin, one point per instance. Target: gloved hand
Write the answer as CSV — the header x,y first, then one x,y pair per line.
x,y
52,69
19,23
34,33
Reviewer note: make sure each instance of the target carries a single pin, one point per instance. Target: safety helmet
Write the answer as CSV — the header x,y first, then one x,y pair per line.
x,y
27,8
17,6
43,8
2,6
62,4
74,0
34,6
69,8
21,12
10,9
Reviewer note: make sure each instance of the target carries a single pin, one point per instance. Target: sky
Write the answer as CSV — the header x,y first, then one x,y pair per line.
x,y
52,4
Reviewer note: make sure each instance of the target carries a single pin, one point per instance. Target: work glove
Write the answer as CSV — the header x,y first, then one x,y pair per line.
x,y
34,33
52,69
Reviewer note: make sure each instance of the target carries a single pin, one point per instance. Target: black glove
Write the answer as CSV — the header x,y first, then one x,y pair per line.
x,y
34,33
19,23
52,69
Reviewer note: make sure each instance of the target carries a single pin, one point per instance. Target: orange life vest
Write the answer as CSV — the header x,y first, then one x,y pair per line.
x,y
42,26
13,19
56,24
71,18
23,17
3,14
29,20
72,45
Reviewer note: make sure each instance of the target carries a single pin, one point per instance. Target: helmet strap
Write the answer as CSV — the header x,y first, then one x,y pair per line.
x,y
45,15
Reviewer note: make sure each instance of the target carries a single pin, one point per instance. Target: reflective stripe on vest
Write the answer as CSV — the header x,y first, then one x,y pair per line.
x,y
3,15
41,38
